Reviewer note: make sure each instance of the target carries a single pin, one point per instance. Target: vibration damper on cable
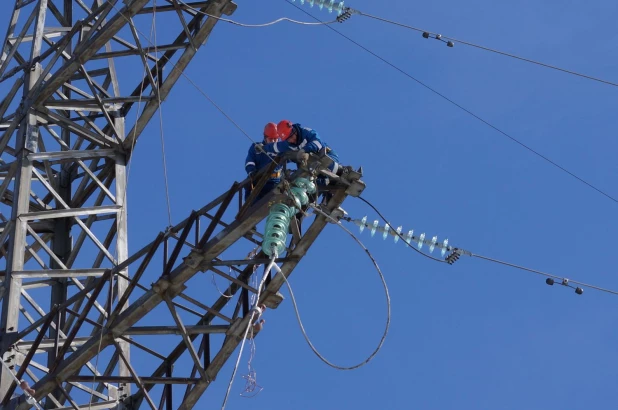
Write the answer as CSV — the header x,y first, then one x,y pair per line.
x,y
564,282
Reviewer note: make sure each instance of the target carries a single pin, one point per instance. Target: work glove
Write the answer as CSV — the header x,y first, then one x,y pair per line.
x,y
259,147
301,156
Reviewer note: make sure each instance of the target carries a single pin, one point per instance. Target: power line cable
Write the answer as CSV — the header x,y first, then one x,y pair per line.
x,y
458,251
488,49
230,119
461,107
158,93
549,275
270,23
388,301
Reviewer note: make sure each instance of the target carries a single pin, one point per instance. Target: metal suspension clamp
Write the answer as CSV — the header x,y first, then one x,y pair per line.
x,y
337,214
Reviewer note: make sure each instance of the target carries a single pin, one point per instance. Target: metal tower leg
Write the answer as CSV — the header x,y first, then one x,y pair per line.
x,y
27,138
63,158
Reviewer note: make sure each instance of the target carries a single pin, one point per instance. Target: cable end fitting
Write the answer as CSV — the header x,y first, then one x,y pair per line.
x,y
453,257
346,14
259,309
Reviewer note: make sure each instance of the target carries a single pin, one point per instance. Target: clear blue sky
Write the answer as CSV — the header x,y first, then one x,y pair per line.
x,y
473,335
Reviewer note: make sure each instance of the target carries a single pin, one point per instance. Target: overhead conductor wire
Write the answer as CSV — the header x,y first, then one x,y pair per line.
x,y
549,275
158,92
460,251
564,70
410,76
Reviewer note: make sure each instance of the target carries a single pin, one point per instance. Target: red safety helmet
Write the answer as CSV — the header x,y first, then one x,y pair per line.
x,y
285,129
270,131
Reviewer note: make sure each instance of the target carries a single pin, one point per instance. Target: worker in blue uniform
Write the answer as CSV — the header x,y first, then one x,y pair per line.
x,y
295,137
258,158
303,140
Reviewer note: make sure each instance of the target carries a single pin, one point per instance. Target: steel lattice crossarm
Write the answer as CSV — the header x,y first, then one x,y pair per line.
x,y
175,294
66,134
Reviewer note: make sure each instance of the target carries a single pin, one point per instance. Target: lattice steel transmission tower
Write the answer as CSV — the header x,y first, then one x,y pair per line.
x,y
74,315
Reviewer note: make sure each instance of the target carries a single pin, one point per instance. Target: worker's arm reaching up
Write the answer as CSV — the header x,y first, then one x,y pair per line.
x,y
309,140
279,147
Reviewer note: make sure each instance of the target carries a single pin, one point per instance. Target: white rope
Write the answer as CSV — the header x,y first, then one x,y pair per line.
x,y
214,282
251,377
251,385
255,310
